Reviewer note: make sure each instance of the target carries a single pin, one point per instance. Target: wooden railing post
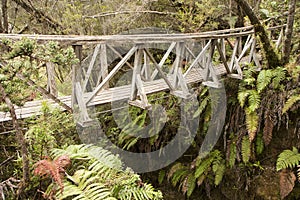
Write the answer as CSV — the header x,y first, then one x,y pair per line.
x,y
76,76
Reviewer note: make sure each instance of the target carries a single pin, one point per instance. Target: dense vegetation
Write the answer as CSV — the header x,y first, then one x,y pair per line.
x,y
257,156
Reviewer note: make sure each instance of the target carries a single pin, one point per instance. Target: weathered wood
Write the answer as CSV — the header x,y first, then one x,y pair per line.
x,y
76,72
112,73
159,69
104,65
135,73
90,68
163,60
119,55
51,82
197,59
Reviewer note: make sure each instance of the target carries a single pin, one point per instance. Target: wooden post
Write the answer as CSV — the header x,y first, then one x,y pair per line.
x,y
51,82
103,64
76,73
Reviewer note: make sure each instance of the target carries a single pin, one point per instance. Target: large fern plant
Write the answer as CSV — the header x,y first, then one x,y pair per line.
x,y
250,93
97,174
194,174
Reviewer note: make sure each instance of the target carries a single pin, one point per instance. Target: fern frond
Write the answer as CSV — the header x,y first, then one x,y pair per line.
x,y
203,166
290,102
219,170
232,154
189,184
253,100
252,123
246,149
268,130
201,107
174,168
242,96
279,74
263,80
259,144
288,159
161,176
179,175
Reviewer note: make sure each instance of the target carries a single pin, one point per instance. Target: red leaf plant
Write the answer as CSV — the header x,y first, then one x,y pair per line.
x,y
53,168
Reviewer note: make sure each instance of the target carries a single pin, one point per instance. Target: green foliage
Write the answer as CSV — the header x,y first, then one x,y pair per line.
x,y
288,159
263,79
252,123
290,102
98,174
232,154
52,129
246,149
259,143
199,169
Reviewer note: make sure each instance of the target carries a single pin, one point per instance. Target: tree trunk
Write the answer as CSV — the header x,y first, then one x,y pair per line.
x,y
271,56
4,16
289,32
21,141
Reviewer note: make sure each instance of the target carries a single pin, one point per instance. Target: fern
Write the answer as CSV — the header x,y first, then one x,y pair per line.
x,y
218,169
259,144
232,154
268,129
189,185
263,80
161,176
242,96
253,100
288,159
203,166
290,102
99,175
54,169
252,123
279,74
201,107
246,149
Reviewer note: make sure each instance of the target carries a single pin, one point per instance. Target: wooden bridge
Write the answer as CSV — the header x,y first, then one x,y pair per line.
x,y
184,59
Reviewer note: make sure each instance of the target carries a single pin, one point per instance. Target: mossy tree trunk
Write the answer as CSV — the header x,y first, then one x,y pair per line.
x,y
271,56
289,32
21,141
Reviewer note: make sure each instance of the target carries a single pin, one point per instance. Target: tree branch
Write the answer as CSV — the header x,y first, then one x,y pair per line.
x,y
20,139
44,92
40,16
106,14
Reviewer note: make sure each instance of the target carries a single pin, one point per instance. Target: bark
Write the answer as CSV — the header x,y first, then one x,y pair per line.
x,y
21,141
4,16
44,92
40,16
289,32
271,56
